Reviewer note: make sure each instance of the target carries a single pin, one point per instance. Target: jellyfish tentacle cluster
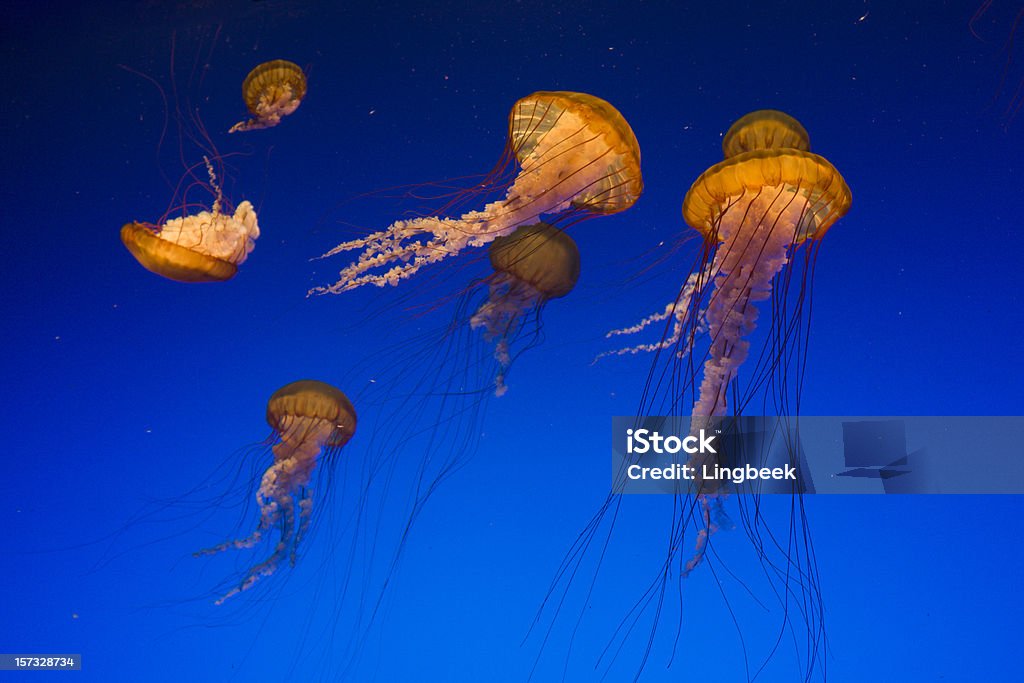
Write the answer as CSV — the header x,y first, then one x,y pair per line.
x,y
204,247
271,91
508,298
533,265
308,418
575,153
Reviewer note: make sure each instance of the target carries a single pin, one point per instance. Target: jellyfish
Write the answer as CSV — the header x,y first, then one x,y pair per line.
x,y
753,210
577,157
533,265
770,195
769,201
204,247
309,419
271,91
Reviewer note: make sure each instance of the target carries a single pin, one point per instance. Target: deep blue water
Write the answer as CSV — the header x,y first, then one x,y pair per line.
x,y
121,389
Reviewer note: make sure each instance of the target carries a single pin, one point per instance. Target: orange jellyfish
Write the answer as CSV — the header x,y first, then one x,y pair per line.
x,y
204,247
271,91
754,210
533,265
577,157
310,420
762,213
769,196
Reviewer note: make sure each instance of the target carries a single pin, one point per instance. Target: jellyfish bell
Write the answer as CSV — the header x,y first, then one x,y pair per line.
x,y
579,141
271,91
538,256
204,247
765,129
576,157
533,265
310,420
316,401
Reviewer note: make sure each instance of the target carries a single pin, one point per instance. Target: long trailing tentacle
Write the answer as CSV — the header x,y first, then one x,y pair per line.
x,y
686,322
283,496
270,565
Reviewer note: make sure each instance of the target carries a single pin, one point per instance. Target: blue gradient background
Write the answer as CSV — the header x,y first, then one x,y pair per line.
x,y
120,387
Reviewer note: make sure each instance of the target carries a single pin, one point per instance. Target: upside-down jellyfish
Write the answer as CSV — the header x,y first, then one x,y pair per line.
x,y
310,419
577,157
271,91
533,265
204,247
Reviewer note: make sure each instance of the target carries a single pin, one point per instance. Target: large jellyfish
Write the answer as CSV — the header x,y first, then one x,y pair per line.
x,y
769,200
309,418
577,157
204,247
271,91
768,196
753,209
533,265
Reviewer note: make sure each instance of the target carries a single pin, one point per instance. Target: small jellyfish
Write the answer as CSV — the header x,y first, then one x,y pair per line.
x,y
577,157
204,247
310,420
533,265
271,91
